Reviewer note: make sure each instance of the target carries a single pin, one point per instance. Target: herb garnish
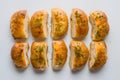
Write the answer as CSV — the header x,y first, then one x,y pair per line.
x,y
60,59
16,20
99,16
98,34
38,49
37,22
78,51
77,14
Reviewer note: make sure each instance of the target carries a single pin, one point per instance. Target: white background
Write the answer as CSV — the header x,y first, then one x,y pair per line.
x,y
110,71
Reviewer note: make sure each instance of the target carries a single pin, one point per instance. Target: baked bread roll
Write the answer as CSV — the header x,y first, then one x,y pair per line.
x,y
59,23
39,24
98,55
100,26
19,54
79,24
19,24
59,54
78,55
38,57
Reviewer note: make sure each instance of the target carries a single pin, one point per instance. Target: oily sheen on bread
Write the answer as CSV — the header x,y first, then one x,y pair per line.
x,y
19,25
100,26
98,55
79,24
19,54
59,23
78,55
39,24
59,54
38,56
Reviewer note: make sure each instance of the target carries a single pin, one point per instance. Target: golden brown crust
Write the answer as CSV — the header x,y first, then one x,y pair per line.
x,y
19,54
17,24
100,26
38,57
98,55
59,54
79,24
79,55
59,23
38,24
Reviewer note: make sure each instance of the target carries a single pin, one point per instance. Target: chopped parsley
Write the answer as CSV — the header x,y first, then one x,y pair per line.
x,y
104,28
37,22
78,65
98,34
38,49
16,20
77,14
60,59
59,63
58,27
99,16
78,52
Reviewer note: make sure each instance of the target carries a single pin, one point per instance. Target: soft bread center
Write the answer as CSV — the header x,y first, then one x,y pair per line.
x,y
72,58
73,26
45,28
26,24
92,20
45,50
55,66
92,54
26,55
52,26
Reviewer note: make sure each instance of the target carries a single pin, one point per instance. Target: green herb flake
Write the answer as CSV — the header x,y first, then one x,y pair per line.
x,y
36,49
99,16
18,57
77,14
40,49
60,59
104,28
15,20
58,63
58,29
37,22
98,34
78,52
78,65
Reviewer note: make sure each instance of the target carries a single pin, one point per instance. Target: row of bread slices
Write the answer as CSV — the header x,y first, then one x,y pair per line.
x,y
79,55
59,24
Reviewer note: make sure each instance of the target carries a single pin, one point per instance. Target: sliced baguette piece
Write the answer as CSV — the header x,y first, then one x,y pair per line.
x,y
59,23
100,26
19,25
79,24
78,55
98,55
59,54
38,57
19,54
39,24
